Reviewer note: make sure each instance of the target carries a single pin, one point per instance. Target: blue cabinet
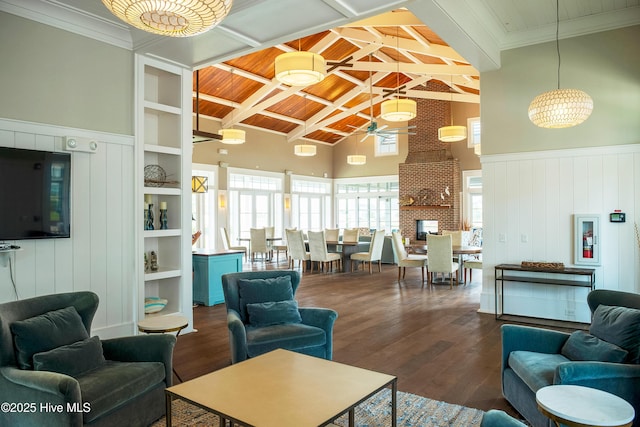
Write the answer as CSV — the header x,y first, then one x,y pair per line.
x,y
208,268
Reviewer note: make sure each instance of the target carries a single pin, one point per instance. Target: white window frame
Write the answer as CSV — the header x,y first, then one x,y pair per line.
x,y
204,206
355,197
379,141
325,199
468,193
474,132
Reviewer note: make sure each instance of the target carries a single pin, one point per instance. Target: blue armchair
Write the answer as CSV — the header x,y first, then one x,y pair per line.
x,y
47,357
606,358
262,315
497,418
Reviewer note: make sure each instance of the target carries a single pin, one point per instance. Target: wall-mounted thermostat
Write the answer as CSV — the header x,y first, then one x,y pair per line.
x,y
617,217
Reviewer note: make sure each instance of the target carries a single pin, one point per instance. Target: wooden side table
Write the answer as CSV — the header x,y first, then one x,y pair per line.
x,y
578,406
163,325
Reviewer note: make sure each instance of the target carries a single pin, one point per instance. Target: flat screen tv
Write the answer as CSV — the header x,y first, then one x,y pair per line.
x,y
34,194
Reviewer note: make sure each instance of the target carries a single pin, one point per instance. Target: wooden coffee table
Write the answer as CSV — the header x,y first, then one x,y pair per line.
x,y
283,388
578,406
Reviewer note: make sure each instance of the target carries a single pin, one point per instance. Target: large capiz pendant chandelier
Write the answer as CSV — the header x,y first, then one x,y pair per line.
x,y
560,108
174,18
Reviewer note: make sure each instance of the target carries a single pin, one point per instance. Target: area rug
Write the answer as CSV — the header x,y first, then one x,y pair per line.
x,y
413,411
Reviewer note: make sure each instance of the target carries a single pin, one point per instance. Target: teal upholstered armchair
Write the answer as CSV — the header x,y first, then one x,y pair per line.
x,y
262,315
497,418
48,358
606,358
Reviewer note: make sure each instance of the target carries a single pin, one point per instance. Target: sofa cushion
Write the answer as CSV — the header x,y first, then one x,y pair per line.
x,y
583,346
290,336
273,313
115,383
72,359
252,291
535,369
46,332
619,326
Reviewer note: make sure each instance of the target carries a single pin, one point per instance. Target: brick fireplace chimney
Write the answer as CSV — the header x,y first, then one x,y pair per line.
x,y
430,169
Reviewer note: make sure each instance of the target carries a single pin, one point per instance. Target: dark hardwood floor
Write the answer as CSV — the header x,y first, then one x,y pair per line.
x,y
433,340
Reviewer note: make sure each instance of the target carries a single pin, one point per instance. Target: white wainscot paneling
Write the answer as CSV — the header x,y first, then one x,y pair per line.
x,y
99,254
529,200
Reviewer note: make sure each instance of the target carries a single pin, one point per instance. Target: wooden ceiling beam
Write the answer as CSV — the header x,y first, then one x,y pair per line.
x,y
388,19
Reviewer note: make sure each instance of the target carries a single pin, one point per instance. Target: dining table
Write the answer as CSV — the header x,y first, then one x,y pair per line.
x,y
347,249
460,250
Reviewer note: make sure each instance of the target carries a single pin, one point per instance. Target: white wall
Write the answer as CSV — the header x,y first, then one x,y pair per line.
x,y
535,179
99,255
532,197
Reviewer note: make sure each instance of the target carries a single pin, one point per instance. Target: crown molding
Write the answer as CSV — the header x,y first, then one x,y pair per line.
x,y
64,17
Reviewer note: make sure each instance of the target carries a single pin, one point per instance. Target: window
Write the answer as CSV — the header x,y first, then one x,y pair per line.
x,y
473,130
310,203
203,207
255,200
368,204
472,193
386,144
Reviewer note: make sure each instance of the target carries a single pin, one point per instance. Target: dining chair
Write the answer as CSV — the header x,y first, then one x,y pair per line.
x,y
319,252
333,235
404,259
456,240
350,235
226,242
282,246
440,251
470,264
258,243
297,249
374,254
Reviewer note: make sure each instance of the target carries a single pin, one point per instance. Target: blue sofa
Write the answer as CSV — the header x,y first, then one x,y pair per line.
x,y
606,358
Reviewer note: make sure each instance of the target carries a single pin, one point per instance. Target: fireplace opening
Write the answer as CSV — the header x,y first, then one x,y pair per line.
x,y
424,227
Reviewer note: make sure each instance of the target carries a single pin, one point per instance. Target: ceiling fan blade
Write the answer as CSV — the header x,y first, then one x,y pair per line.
x,y
365,137
382,127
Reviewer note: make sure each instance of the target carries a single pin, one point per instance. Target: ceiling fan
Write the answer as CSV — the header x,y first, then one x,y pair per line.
x,y
382,131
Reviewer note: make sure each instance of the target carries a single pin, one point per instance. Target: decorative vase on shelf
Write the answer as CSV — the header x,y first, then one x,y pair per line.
x,y
163,216
148,221
153,263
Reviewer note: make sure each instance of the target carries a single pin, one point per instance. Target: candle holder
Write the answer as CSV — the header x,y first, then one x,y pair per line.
x,y
163,219
148,221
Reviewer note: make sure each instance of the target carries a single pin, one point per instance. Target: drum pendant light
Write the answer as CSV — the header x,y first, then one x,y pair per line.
x,y
452,133
304,150
300,68
398,110
232,136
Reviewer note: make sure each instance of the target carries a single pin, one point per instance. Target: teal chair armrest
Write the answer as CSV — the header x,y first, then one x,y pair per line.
x,y
616,378
323,318
496,418
527,338
34,388
143,348
237,336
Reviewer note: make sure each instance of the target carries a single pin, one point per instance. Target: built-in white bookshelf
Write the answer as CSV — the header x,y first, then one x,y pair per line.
x,y
163,142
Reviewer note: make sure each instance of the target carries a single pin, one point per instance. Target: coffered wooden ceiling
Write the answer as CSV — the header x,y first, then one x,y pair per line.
x,y
368,62
446,40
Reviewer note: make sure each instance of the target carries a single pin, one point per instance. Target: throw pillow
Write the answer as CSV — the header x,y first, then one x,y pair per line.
x,y
619,326
252,291
584,346
45,332
273,313
72,359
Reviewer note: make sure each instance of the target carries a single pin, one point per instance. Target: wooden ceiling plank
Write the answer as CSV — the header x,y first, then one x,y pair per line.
x,y
362,35
435,69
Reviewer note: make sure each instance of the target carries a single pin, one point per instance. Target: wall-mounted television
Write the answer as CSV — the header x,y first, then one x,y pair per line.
x,y
35,188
